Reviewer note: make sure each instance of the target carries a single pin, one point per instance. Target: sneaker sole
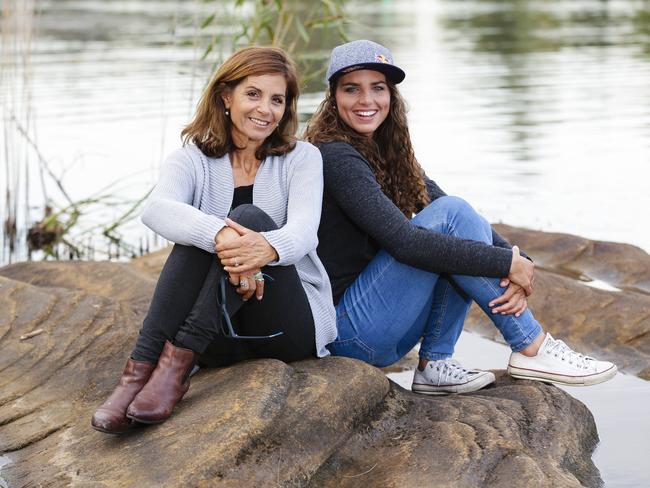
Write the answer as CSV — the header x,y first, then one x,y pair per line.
x,y
475,385
562,379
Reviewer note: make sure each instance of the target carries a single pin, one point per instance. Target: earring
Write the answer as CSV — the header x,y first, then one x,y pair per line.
x,y
227,112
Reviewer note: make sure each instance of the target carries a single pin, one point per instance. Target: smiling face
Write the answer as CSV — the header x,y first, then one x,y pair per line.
x,y
363,100
256,107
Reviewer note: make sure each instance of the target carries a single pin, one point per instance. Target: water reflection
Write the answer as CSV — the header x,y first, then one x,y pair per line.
x,y
537,112
518,26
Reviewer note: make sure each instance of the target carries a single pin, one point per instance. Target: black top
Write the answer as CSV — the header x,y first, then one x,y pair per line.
x,y
358,220
242,195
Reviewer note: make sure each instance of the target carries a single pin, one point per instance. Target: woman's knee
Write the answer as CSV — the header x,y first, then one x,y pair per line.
x,y
253,218
458,215
455,206
443,209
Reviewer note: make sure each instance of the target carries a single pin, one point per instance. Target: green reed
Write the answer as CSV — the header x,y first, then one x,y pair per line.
x,y
63,226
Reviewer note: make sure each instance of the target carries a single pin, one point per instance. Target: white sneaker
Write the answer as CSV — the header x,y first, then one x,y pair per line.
x,y
448,376
556,362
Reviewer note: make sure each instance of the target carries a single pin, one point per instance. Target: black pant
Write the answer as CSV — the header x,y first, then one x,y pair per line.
x,y
184,308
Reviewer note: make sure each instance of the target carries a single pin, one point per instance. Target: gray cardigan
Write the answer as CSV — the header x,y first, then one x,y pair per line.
x,y
194,194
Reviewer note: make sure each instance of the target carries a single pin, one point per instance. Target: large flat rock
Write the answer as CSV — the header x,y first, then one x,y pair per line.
x,y
327,422
514,434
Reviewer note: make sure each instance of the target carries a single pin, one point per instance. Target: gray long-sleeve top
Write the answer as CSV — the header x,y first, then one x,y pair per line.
x,y
194,194
358,220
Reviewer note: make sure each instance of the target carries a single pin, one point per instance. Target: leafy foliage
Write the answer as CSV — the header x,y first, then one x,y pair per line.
x,y
306,30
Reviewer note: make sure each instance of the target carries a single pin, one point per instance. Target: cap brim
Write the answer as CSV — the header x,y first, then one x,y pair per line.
x,y
393,73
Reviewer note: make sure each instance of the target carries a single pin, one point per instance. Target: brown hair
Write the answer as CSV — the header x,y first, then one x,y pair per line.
x,y
210,129
389,152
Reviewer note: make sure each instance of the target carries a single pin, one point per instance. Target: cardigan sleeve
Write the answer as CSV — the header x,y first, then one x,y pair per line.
x,y
299,235
352,183
169,211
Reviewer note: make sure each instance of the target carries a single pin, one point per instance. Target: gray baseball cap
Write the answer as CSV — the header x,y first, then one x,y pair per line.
x,y
363,54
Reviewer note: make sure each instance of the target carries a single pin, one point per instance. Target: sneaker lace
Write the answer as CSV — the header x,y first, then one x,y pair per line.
x,y
450,368
565,353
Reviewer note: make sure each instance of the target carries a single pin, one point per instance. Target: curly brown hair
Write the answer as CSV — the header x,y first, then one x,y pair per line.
x,y
389,152
210,129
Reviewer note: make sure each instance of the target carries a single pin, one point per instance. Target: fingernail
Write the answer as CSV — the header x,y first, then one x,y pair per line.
x,y
491,305
517,314
503,313
494,311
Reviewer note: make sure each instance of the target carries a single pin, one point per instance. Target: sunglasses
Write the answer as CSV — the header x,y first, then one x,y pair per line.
x,y
226,324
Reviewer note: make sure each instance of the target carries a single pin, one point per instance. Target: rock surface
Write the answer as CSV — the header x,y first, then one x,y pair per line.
x,y
614,325
621,265
515,434
333,422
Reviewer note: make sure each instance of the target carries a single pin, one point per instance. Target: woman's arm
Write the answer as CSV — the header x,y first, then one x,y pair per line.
x,y
352,184
299,236
169,211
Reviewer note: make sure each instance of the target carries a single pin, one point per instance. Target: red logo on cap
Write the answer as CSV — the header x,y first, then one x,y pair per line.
x,y
382,59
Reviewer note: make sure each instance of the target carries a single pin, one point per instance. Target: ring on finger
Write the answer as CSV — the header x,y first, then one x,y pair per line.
x,y
258,276
243,283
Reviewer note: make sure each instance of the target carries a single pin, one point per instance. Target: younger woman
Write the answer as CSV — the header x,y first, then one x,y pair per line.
x,y
398,280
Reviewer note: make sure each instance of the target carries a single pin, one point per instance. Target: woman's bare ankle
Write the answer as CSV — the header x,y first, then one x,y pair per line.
x,y
532,349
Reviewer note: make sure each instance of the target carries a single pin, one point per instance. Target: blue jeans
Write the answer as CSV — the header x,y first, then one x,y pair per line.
x,y
391,305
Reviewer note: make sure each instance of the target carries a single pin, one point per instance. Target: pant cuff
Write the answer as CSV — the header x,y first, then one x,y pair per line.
x,y
196,344
435,356
527,341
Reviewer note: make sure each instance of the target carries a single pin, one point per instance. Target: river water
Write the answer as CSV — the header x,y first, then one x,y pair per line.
x,y
538,113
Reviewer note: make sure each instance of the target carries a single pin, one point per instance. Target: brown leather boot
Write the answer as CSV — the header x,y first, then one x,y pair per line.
x,y
167,385
110,417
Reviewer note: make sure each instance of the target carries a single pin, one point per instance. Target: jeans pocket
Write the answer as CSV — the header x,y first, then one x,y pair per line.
x,y
352,348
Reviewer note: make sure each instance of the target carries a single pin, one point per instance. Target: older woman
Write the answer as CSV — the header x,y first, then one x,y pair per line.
x,y
243,188
398,280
